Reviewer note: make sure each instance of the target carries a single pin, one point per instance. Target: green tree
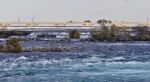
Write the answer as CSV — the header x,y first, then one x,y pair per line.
x,y
103,22
143,33
88,21
104,33
114,32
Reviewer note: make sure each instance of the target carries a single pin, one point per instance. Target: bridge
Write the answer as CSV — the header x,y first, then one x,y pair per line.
x,y
18,25
63,25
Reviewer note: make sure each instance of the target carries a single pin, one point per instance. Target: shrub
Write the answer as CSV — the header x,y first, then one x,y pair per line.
x,y
104,34
13,46
1,47
74,34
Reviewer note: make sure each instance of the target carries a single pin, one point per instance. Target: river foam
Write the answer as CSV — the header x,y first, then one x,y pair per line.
x,y
121,62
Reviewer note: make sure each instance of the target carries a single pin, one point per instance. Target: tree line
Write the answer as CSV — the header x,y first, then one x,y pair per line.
x,y
112,32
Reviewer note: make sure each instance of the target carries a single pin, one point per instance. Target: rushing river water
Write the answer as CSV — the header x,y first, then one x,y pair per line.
x,y
98,62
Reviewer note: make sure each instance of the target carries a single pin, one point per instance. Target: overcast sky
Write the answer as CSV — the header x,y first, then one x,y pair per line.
x,y
133,10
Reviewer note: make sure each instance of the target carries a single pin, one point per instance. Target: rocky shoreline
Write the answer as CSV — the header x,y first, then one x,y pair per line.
x,y
14,46
54,49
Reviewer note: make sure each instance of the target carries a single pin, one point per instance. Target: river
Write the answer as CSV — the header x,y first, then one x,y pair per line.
x,y
97,62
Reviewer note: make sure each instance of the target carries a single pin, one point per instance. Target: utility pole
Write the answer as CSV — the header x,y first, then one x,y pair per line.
x,y
18,22
32,21
147,20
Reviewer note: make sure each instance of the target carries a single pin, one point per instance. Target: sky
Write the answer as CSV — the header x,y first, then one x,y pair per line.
x,y
123,10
